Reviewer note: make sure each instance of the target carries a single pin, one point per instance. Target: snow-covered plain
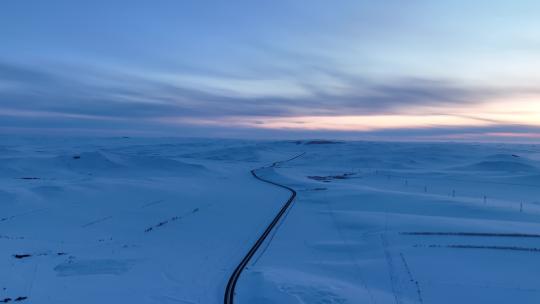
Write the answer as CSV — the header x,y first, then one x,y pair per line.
x,y
126,220
405,223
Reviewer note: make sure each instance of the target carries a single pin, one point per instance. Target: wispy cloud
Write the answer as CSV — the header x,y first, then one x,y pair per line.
x,y
109,93
333,100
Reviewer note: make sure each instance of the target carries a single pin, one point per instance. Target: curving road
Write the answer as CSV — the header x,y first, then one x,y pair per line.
x,y
231,284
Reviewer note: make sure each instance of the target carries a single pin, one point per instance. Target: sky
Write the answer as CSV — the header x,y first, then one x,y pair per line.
x,y
390,70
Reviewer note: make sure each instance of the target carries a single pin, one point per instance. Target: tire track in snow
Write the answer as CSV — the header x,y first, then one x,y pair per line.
x,y
97,221
350,252
394,282
411,278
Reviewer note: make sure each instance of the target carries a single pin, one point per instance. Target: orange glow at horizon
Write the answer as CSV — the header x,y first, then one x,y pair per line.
x,y
520,110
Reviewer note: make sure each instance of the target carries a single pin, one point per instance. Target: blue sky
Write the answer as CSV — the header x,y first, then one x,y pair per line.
x,y
270,69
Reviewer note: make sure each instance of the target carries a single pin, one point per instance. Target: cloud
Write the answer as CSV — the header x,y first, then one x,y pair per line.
x,y
364,98
16,73
85,97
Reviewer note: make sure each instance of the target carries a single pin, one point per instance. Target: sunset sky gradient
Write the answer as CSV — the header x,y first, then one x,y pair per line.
x,y
396,70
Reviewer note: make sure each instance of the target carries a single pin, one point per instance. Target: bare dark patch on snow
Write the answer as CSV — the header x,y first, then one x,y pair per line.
x,y
322,142
28,255
162,223
20,214
93,267
17,299
7,237
172,219
331,177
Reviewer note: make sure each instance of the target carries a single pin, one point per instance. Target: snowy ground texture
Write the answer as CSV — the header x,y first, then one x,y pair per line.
x,y
125,220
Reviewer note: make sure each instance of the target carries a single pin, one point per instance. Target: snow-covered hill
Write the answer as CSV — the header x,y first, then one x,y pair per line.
x,y
127,220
